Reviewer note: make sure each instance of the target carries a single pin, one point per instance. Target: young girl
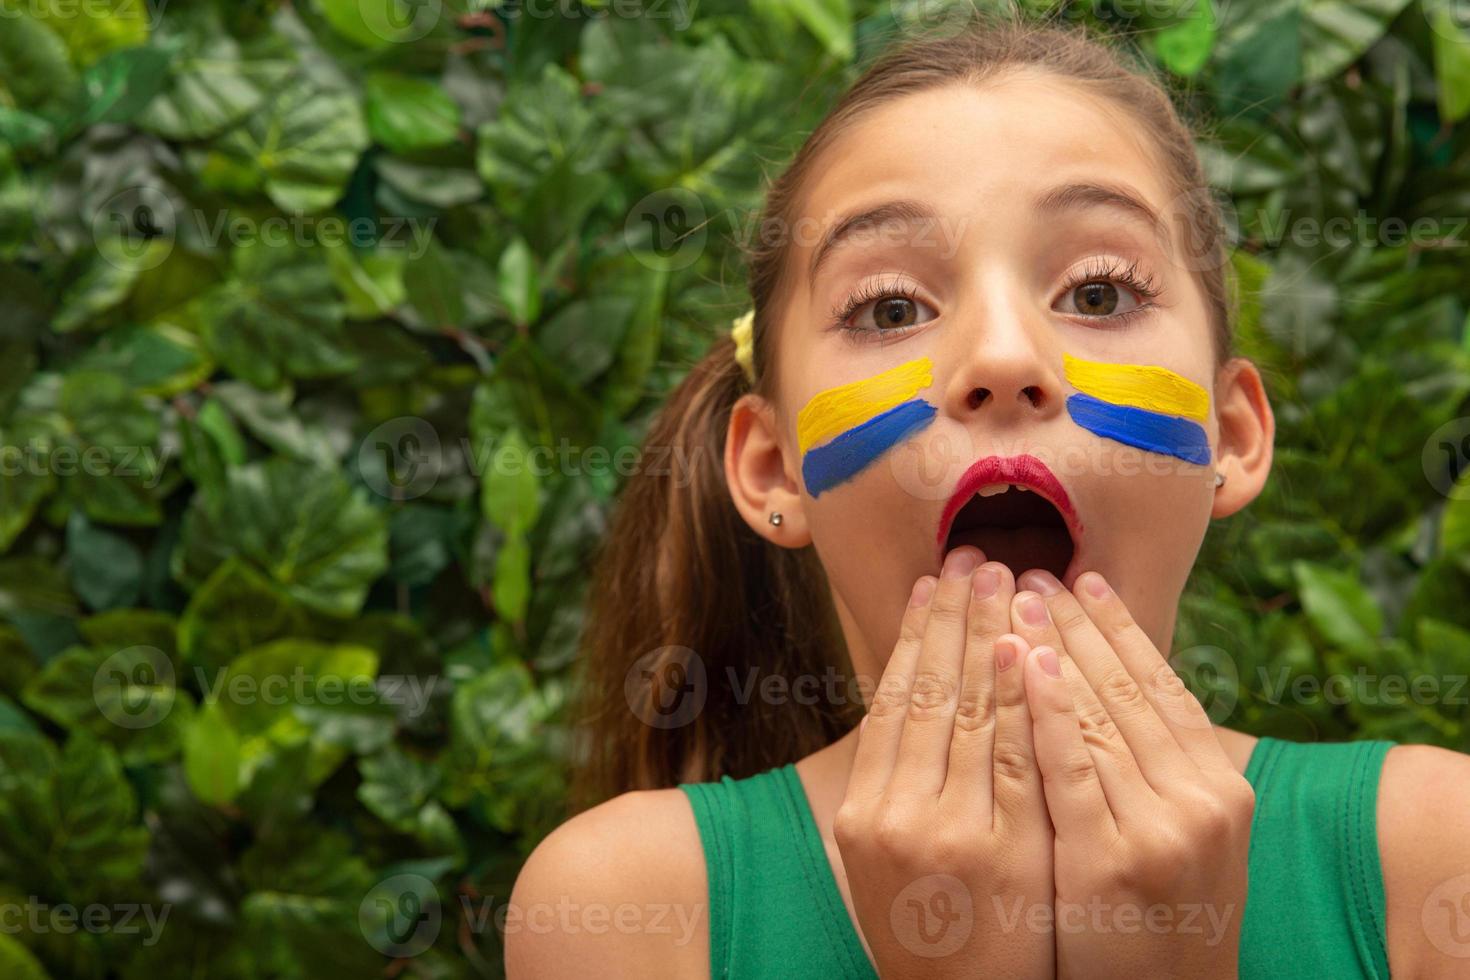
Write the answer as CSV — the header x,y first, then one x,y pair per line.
x,y
950,482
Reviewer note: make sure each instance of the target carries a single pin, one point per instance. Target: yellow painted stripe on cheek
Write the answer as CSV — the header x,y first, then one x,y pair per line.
x,y
836,410
1141,386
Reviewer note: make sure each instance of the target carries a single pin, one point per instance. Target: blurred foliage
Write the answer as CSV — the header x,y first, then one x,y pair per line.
x,y
280,278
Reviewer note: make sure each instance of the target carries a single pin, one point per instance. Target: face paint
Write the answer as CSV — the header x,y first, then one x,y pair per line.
x,y
1147,407
858,422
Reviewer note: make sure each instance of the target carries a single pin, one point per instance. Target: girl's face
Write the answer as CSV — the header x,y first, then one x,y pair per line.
x,y
1022,249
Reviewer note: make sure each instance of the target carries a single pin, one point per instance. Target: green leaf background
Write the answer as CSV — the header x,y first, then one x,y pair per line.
x,y
309,285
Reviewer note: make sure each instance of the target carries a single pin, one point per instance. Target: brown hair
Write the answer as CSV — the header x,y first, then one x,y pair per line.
x,y
681,572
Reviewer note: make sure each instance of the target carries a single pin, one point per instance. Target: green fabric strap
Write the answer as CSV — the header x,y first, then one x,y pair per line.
x,y
1314,905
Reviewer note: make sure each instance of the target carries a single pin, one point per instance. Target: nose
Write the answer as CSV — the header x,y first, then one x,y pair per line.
x,y
1006,367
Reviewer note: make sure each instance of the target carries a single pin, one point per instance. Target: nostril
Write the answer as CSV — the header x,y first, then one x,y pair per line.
x,y
978,397
1033,394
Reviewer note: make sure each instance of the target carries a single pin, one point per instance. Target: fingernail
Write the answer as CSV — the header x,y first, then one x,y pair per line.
x,y
1047,657
1095,584
987,582
1005,652
1044,582
959,563
923,589
1033,610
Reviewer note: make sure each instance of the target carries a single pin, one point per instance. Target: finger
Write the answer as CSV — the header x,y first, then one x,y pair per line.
x,y
1122,780
1069,777
1152,744
1179,709
923,751
877,747
1017,793
968,780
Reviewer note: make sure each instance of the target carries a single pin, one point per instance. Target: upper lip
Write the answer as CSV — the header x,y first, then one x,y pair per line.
x,y
1024,471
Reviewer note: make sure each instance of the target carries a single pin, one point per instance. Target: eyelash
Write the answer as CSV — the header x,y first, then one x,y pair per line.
x,y
1130,275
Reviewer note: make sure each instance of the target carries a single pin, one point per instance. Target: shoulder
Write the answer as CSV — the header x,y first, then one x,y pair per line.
x,y
617,891
1424,845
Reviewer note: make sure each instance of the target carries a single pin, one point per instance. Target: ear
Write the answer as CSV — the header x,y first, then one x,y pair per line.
x,y
1247,434
756,471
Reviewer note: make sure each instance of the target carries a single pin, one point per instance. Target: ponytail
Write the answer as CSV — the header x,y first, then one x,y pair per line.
x,y
690,611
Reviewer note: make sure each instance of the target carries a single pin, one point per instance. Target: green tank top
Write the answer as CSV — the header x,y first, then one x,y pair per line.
x,y
1314,902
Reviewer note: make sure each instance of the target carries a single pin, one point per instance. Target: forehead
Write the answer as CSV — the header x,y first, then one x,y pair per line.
x,y
986,150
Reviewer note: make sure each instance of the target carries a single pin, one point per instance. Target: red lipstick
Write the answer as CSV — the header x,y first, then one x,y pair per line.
x,y
1023,471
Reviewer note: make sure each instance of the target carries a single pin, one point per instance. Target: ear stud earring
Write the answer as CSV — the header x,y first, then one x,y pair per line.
x,y
775,518
1219,479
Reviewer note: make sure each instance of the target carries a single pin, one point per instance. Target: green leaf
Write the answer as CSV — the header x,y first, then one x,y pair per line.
x,y
303,146
510,492
1185,46
1337,32
434,289
830,22
520,284
370,282
380,23
106,568
1451,62
511,590
35,70
277,317
1338,606
157,359
583,336
302,525
407,114
96,29
212,757
211,87
235,610
17,963
125,696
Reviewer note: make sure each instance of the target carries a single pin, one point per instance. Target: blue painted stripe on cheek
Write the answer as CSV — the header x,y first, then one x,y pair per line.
x,y
859,447
1138,427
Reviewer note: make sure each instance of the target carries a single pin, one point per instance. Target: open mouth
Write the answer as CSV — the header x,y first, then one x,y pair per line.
x,y
1016,512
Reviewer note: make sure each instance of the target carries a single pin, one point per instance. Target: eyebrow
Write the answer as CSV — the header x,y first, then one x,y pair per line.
x,y
1065,197
1078,196
903,210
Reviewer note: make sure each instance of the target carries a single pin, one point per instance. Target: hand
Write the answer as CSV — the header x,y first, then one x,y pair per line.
x,y
1152,819
943,828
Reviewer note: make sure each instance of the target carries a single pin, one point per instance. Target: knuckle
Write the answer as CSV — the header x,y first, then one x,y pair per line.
x,y
1077,769
1120,692
850,824
890,696
894,831
931,691
1011,763
947,606
1098,727
1167,684
975,712
1068,617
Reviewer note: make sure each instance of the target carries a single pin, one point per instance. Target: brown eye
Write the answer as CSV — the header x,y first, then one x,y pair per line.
x,y
1095,298
894,311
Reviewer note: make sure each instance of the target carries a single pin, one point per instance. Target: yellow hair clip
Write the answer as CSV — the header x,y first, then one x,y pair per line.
x,y
742,331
